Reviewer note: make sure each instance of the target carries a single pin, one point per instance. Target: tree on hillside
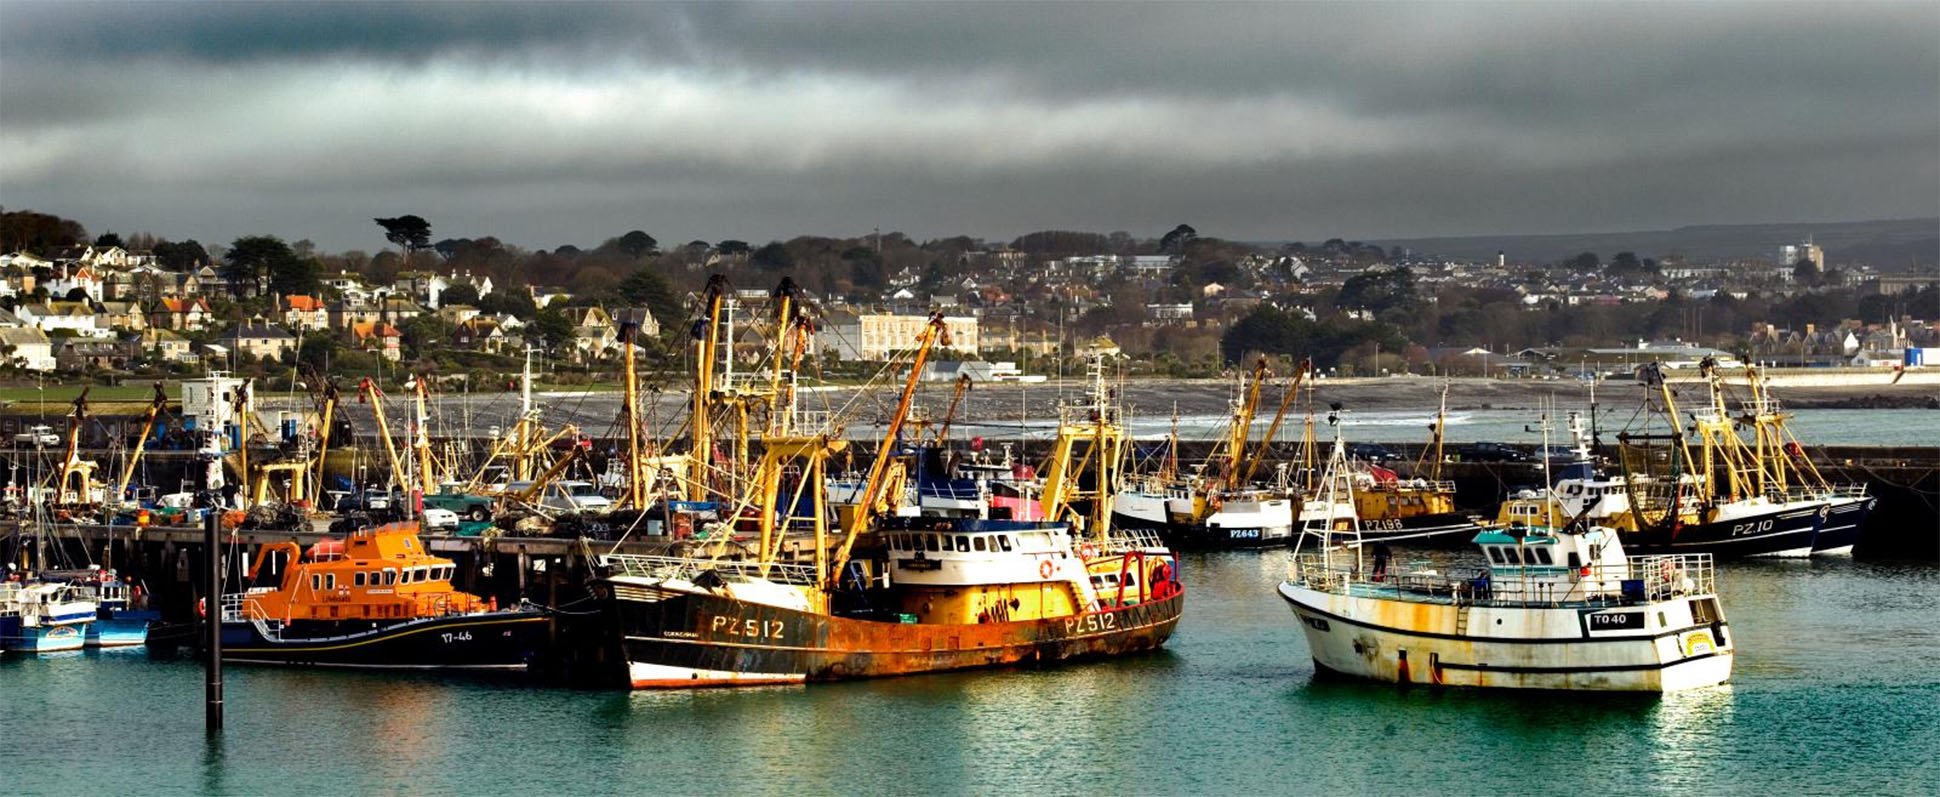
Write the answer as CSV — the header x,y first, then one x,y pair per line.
x,y
553,328
645,287
731,247
1587,261
773,257
180,256
1806,273
1379,291
410,233
41,233
636,244
109,238
462,293
256,260
1176,240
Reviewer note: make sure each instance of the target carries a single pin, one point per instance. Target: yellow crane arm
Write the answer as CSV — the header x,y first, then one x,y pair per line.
x,y
155,408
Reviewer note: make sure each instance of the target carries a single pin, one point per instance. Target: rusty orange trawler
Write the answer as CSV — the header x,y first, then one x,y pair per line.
x,y
374,599
890,596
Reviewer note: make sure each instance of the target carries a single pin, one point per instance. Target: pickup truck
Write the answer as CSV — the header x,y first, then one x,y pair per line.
x,y
477,508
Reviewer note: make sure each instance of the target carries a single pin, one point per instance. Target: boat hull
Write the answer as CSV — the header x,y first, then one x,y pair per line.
x,y
505,640
1449,526
123,629
1560,648
1844,519
678,638
1203,537
1786,531
24,638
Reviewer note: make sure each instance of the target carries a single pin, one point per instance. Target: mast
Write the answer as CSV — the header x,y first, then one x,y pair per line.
x,y
636,486
376,400
422,440
872,491
699,424
155,408
1242,426
1437,432
1273,430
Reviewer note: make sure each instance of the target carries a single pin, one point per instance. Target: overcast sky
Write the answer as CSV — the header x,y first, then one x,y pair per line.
x,y
549,124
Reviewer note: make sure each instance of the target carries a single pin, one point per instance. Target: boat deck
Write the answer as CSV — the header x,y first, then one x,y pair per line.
x,y
1644,579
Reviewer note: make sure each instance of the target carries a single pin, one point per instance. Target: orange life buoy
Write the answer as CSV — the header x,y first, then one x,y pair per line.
x,y
1044,568
1088,551
202,608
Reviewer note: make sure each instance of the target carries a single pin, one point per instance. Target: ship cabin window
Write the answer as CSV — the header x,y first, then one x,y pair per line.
x,y
930,541
1509,556
330,581
979,544
963,544
390,577
1541,555
1003,541
358,579
316,582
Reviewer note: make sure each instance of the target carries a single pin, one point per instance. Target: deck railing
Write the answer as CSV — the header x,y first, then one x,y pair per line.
x,y
678,568
1124,540
1640,579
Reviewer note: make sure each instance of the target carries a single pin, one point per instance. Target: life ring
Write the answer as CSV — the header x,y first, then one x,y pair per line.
x,y
1088,551
1044,568
1665,572
202,608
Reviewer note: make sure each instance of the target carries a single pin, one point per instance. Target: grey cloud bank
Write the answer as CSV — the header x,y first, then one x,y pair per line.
x,y
548,124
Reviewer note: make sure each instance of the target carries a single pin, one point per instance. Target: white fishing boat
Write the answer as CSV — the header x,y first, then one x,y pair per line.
x,y
1549,609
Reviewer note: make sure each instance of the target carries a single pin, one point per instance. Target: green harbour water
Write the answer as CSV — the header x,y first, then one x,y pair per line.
x,y
1836,691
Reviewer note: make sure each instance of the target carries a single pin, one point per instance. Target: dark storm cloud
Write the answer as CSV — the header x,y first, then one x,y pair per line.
x,y
555,123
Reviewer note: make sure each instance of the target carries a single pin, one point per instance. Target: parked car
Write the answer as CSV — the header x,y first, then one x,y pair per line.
x,y
476,508
436,519
1493,452
574,496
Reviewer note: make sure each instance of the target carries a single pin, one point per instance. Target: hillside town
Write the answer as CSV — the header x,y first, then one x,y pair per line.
x,y
1183,304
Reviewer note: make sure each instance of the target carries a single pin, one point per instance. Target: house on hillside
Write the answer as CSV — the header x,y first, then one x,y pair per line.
x,y
642,320
27,348
480,334
305,312
69,280
594,334
378,337
75,318
80,354
180,314
121,317
259,338
163,345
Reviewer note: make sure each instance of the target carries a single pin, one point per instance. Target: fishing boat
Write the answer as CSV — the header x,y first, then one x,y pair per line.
x,y
1221,505
44,616
1708,498
373,599
1394,508
122,615
1786,470
1551,608
883,594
